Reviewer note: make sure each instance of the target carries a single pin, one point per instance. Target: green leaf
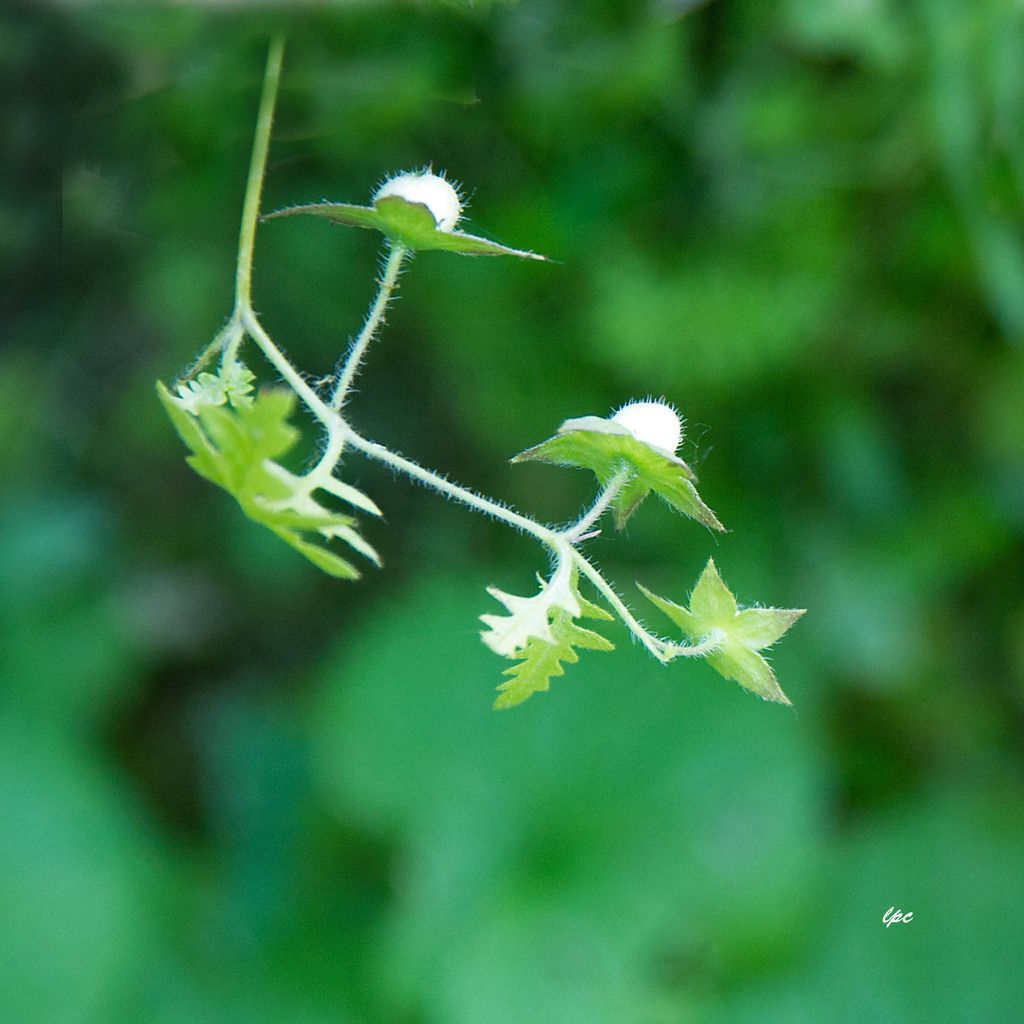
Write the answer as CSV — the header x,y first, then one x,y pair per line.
x,y
529,617
542,660
411,225
237,448
540,633
607,448
712,601
232,383
713,613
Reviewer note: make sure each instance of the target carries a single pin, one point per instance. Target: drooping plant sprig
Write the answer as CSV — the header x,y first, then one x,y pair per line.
x,y
238,435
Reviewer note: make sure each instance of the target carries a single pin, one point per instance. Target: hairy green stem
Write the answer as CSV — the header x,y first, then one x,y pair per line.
x,y
663,650
374,319
234,342
339,434
230,337
427,477
212,348
656,646
328,417
577,532
708,645
257,172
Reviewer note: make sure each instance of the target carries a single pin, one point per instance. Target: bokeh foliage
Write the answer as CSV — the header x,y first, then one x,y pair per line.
x,y
236,790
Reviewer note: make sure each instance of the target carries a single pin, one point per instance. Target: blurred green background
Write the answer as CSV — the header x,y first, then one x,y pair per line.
x,y
233,790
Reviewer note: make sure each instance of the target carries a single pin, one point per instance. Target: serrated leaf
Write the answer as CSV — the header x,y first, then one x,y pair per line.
x,y
231,384
236,448
606,448
411,225
541,634
589,610
529,617
744,633
542,660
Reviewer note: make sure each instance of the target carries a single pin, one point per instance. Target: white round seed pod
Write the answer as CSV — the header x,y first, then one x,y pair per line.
x,y
654,423
434,192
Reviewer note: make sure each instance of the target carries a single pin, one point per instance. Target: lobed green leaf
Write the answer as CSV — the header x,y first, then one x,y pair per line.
x,y
411,225
541,634
237,448
542,660
606,448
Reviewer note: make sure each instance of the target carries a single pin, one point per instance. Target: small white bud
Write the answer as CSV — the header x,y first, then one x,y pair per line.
x,y
434,192
654,423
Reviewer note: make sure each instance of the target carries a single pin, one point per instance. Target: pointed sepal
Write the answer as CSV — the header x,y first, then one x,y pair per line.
x,y
606,448
411,225
741,633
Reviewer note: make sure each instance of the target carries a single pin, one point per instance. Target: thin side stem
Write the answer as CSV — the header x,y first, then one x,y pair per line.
x,y
708,645
460,494
374,319
294,379
664,650
244,321
656,646
210,351
234,342
575,533
257,172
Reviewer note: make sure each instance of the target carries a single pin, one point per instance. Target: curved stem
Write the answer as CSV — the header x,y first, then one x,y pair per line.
x,y
210,351
656,646
244,321
292,377
235,337
575,533
708,645
664,650
374,319
257,171
460,494
331,454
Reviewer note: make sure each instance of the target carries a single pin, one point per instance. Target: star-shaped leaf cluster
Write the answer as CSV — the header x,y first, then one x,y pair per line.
x,y
541,634
411,225
607,448
237,448
743,633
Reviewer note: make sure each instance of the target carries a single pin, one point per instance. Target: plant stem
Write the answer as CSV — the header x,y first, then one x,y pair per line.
x,y
235,337
211,349
374,319
257,171
575,533
244,321
663,650
709,644
460,494
332,452
656,646
293,378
